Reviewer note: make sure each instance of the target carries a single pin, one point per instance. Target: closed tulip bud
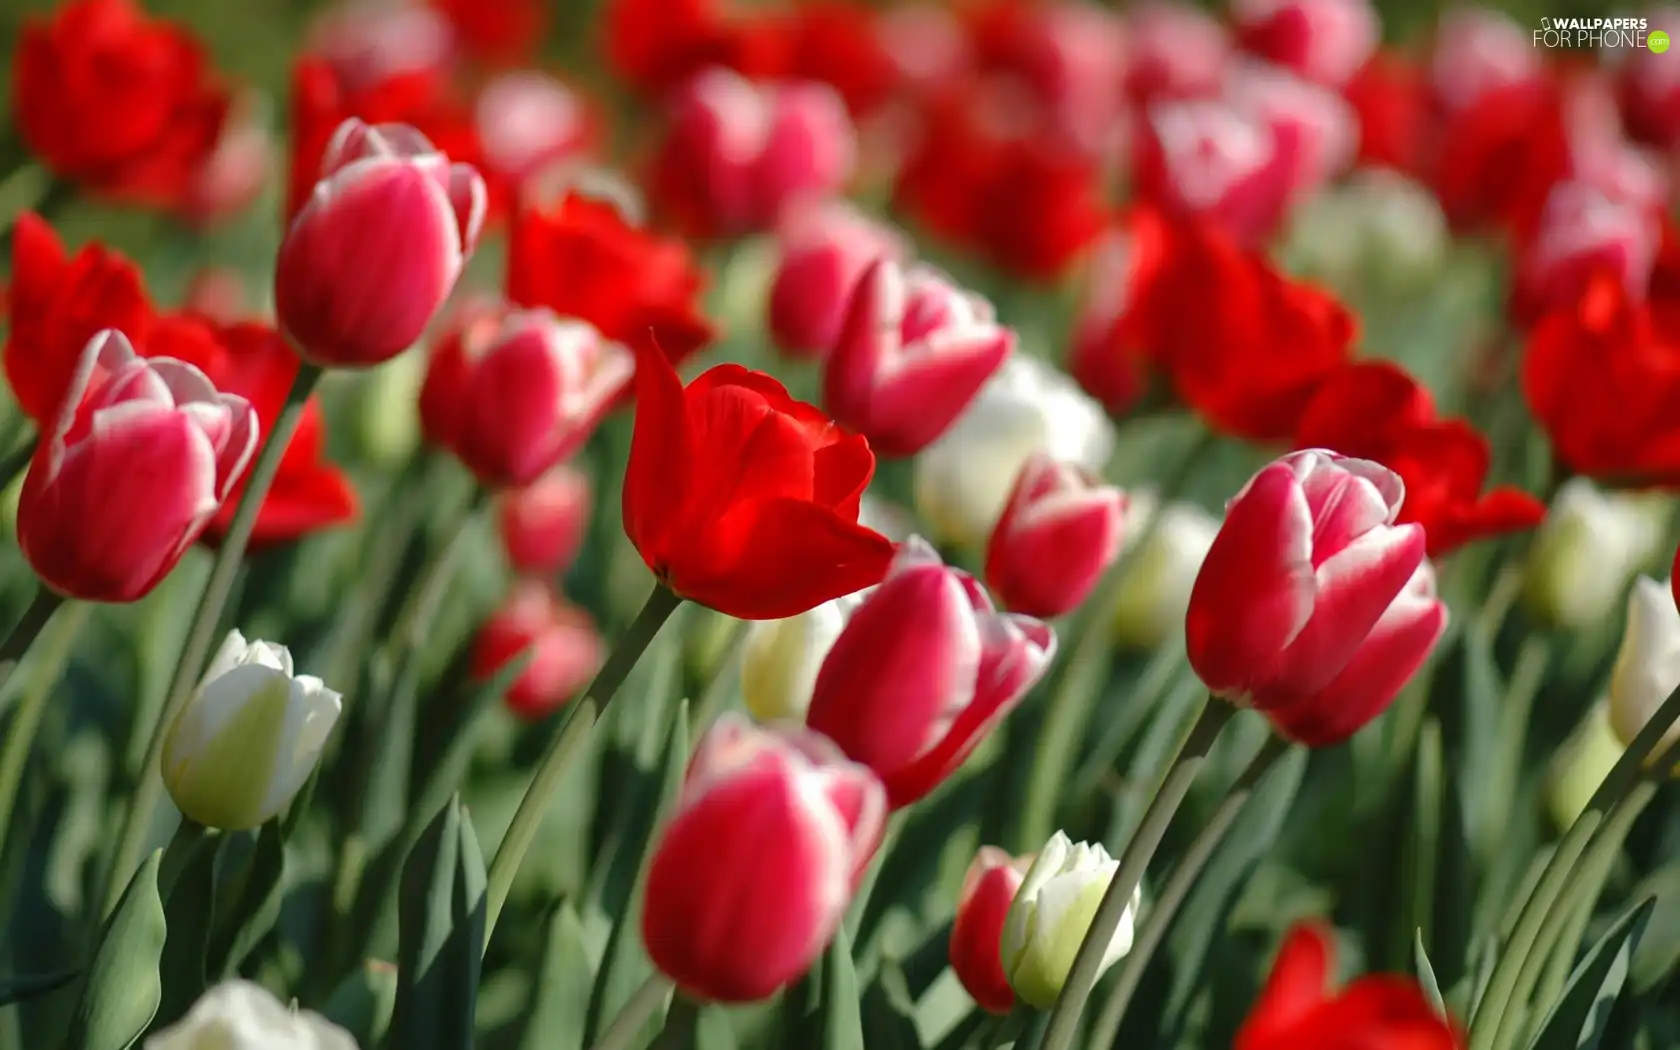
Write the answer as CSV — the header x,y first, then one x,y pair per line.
x,y
543,524
565,649
1590,545
1155,593
825,249
1059,532
250,737
1647,666
977,931
514,395
922,671
963,480
376,251
780,659
1581,764
239,1015
1312,606
1325,41
1052,913
750,879
913,352
138,462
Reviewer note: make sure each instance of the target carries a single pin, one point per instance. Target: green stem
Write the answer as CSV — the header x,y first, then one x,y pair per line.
x,y
201,637
1087,965
621,1033
16,462
24,633
681,1023
1527,675
1179,885
964,1031
1621,779
190,837
26,718
659,607
860,899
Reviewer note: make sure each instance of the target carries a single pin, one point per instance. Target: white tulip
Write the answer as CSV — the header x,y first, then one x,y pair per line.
x,y
780,659
1155,591
963,479
239,1015
1588,548
240,750
1052,913
1648,665
1376,224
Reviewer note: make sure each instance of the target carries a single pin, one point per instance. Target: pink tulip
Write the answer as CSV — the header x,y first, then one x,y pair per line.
x,y
566,650
1314,130
138,462
376,251
825,249
752,876
233,176
527,121
1174,50
1582,232
1649,85
543,524
1059,531
923,670
1325,41
1478,50
736,153
912,354
512,393
370,43
1208,158
1111,341
977,932
1312,606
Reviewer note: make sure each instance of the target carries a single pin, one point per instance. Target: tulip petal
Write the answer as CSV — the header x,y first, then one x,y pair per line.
x,y
656,476
1297,985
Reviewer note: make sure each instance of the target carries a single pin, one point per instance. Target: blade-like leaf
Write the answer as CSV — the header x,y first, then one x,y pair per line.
x,y
440,930
1576,1021
123,987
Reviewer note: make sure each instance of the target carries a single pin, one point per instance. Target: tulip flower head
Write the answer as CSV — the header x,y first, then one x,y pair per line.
x,y
1588,548
543,524
1647,666
1052,913
923,670
988,890
1155,595
240,750
825,248
1312,606
780,659
1059,532
370,259
565,649
139,460
750,879
1325,41
240,1015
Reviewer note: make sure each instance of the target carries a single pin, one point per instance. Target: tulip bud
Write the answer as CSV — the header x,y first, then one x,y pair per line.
x,y
1583,231
1581,764
543,524
1059,532
963,480
977,931
825,249
244,745
1052,913
376,251
1312,606
922,671
1589,546
137,464
752,876
239,1015
565,649
1647,666
913,352
1325,41
514,395
1155,593
780,659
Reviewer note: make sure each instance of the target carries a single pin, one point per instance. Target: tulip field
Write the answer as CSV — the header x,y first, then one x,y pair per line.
x,y
839,525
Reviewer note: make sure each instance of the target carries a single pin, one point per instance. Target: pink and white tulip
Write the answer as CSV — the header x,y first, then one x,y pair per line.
x,y
1325,41
825,249
1583,232
1209,158
543,524
1312,606
750,880
565,649
1059,532
1173,50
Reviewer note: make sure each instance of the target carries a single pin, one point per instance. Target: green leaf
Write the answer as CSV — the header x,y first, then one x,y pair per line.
x,y
187,916
123,987
1426,978
20,987
363,1002
561,989
250,886
889,1012
1577,1020
842,1023
1417,911
440,937
1658,953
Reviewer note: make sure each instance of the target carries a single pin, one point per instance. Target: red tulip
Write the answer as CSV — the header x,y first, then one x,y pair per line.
x,y
1500,156
1582,231
232,176
1173,50
1326,41
1298,1009
1059,532
750,879
1312,606
1070,58
922,671
743,499
1114,335
977,931
565,649
825,248
1649,87
583,259
1374,410
58,304
514,393
499,32
371,258
116,102
140,457
655,45
912,354
543,524
844,44
1390,98
735,153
